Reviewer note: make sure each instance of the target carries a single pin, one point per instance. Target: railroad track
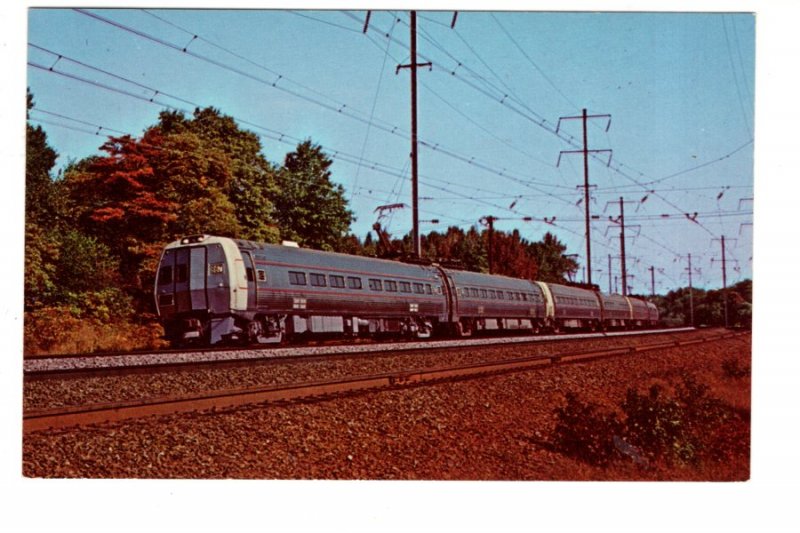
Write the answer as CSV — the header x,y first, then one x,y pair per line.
x,y
44,419
65,366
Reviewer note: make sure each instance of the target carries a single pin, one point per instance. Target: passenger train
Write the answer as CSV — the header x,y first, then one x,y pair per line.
x,y
213,289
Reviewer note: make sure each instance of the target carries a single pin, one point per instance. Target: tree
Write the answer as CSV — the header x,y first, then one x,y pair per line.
x,y
183,176
119,199
554,266
41,216
309,208
242,173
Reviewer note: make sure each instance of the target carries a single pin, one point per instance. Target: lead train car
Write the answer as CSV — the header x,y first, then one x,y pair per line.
x,y
209,289
262,292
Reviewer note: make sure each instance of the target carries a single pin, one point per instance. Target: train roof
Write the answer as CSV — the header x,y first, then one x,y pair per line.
x,y
308,258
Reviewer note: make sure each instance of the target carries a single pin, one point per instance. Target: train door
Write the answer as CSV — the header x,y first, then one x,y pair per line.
x,y
197,278
183,302
252,289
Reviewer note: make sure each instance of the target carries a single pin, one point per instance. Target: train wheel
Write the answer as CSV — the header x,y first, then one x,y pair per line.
x,y
464,328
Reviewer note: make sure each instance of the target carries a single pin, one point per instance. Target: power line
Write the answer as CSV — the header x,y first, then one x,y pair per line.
x,y
341,109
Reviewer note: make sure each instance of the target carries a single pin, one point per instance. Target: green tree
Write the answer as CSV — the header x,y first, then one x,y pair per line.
x,y
310,209
41,217
554,265
235,166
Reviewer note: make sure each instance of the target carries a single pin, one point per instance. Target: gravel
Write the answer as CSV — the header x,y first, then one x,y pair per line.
x,y
113,388
493,428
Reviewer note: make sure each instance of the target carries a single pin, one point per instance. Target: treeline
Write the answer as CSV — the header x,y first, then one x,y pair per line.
x,y
94,232
709,306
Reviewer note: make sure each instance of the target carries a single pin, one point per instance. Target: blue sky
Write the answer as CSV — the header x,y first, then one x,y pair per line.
x,y
679,88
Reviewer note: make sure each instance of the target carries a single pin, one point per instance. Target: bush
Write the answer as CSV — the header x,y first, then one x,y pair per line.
x,y
62,330
658,425
733,369
586,433
685,427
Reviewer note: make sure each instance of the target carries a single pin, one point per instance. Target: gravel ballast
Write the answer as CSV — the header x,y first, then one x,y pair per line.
x,y
492,428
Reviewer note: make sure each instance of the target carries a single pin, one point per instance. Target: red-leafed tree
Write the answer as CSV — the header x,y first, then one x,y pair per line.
x,y
510,255
118,199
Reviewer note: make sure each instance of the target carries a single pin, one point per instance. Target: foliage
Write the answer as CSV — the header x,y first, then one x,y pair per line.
x,y
40,190
683,427
310,209
657,424
41,255
708,306
734,369
585,432
84,264
554,265
227,159
512,255
57,329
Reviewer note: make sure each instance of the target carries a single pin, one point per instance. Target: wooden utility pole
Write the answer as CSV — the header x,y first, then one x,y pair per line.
x,y
489,221
584,117
622,246
652,270
414,166
724,282
691,294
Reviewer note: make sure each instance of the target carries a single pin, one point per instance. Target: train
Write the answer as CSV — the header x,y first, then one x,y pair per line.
x,y
211,290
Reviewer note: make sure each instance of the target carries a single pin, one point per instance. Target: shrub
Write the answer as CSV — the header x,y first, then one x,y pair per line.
x,y
733,369
658,425
584,432
62,330
685,427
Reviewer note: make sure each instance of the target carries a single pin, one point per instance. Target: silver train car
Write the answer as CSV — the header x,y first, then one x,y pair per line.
x,y
213,289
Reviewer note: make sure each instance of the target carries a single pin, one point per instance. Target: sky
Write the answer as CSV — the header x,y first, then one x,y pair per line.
x,y
678,88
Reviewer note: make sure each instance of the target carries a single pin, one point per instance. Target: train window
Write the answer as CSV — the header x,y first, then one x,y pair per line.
x,y
500,295
524,297
405,286
390,286
419,288
165,275
250,276
510,295
474,292
428,288
261,274
519,297
492,294
181,274
336,281
375,285
353,283
484,294
297,278
318,280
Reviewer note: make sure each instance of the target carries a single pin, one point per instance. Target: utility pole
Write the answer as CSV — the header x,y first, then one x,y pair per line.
x,y
622,246
724,282
620,221
609,273
414,166
584,117
691,294
652,270
489,221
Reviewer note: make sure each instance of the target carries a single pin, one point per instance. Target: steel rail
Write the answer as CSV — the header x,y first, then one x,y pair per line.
x,y
55,418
